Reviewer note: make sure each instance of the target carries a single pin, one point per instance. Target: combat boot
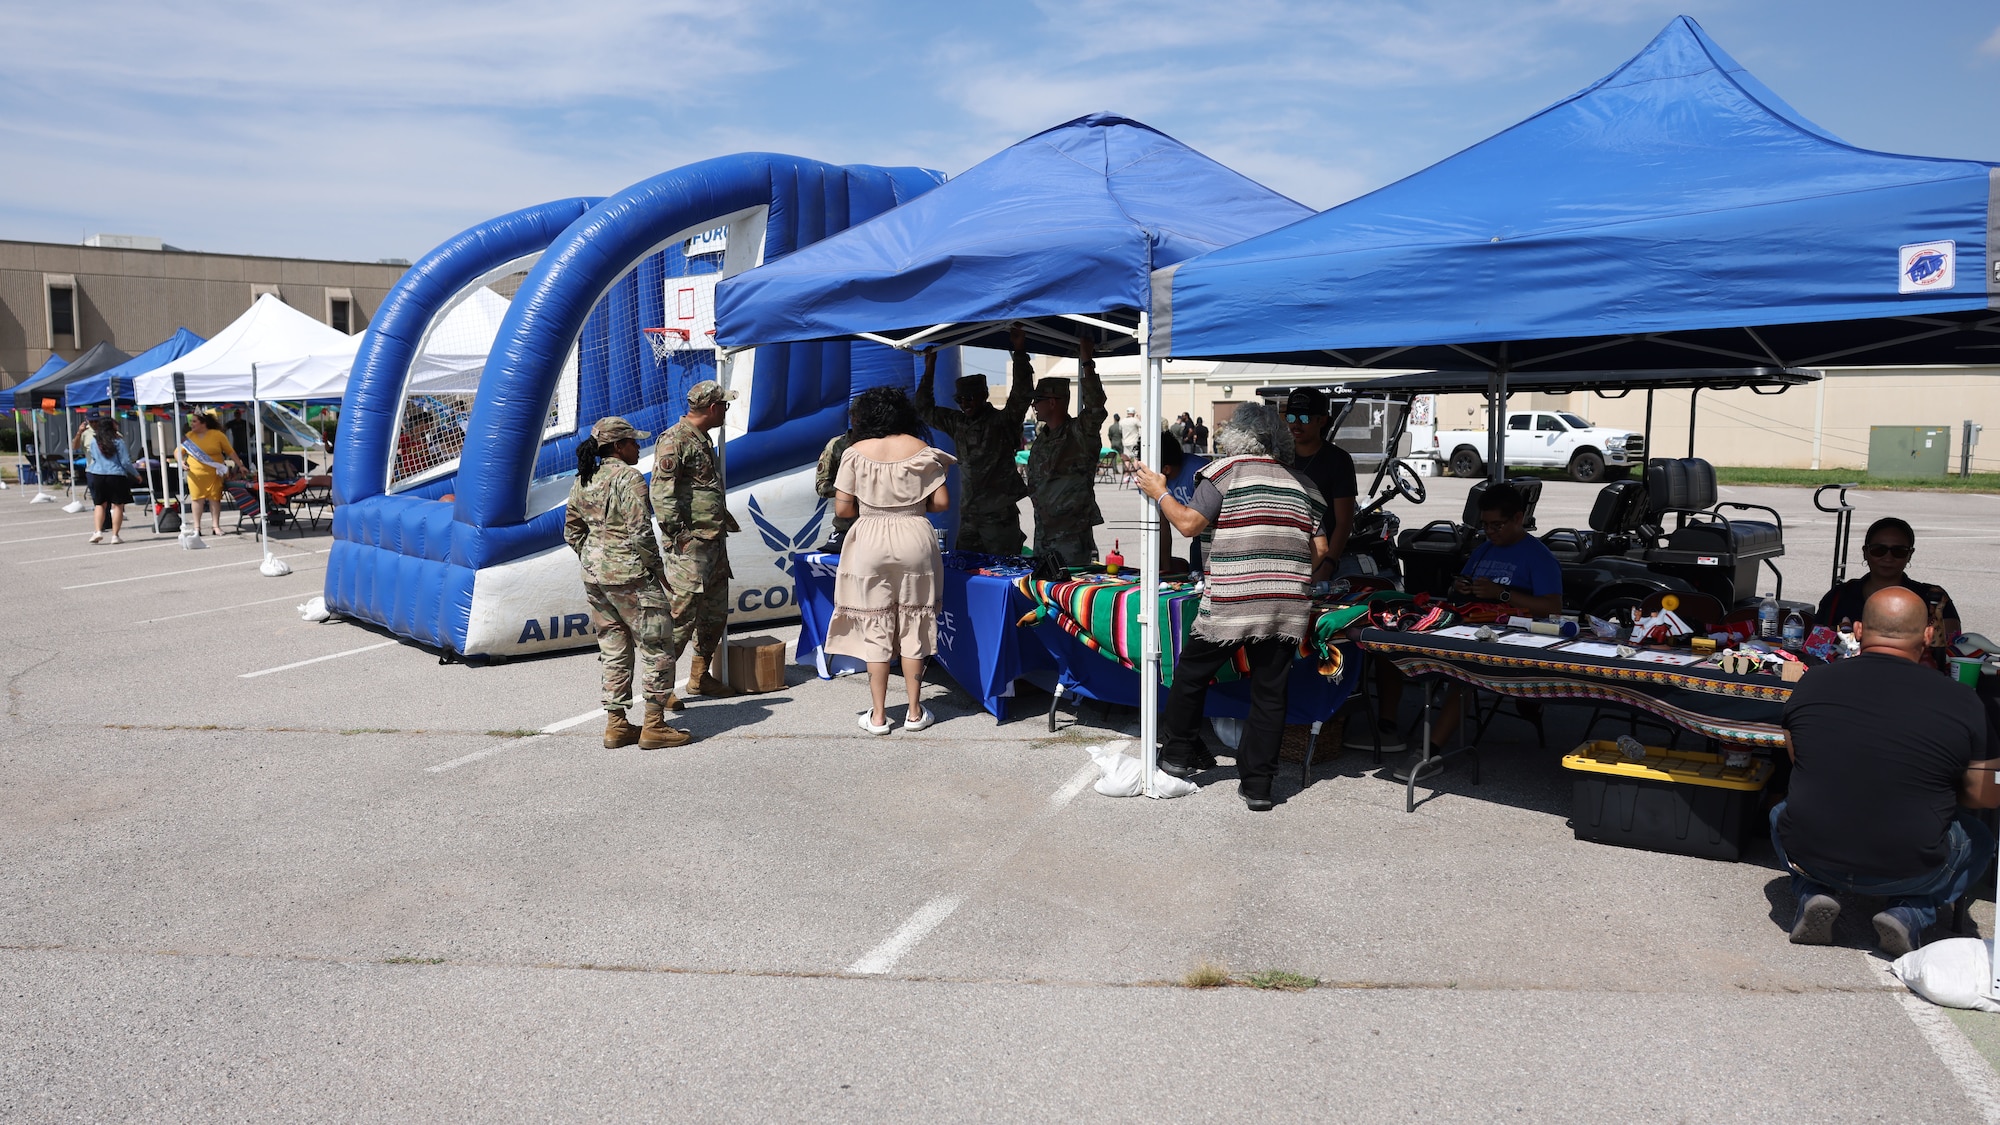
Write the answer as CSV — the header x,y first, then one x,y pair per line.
x,y
657,735
618,732
701,683
674,703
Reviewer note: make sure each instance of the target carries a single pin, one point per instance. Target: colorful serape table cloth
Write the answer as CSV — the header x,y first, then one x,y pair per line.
x,y
1732,709
1102,613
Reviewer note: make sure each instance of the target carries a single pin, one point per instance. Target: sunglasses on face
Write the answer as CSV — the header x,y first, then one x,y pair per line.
x,y
1887,550
1301,419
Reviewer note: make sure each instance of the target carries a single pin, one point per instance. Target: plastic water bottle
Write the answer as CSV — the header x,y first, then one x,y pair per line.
x,y
1795,629
1767,618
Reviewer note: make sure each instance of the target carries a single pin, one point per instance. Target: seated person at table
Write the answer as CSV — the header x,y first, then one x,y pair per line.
x,y
1510,567
1267,520
1883,759
1888,546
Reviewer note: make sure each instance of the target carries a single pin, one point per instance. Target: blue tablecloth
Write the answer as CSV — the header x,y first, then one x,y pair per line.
x,y
982,648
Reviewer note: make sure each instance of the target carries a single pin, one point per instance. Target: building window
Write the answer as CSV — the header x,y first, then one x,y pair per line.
x,y
337,315
62,312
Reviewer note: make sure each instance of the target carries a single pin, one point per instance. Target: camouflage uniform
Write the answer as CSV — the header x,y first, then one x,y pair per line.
x,y
829,468
1062,471
989,514
610,527
694,526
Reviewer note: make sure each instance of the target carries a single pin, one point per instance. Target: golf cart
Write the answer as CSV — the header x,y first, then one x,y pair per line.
x,y
1665,533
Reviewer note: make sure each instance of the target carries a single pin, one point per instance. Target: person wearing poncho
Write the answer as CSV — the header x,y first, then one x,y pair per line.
x,y
1263,520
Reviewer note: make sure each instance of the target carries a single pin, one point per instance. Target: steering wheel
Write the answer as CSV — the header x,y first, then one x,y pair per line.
x,y
1406,482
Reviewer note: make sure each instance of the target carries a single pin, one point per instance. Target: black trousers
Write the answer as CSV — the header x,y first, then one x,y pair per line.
x,y
1270,678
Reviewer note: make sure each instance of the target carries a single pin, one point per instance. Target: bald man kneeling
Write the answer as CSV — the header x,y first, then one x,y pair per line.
x,y
1886,756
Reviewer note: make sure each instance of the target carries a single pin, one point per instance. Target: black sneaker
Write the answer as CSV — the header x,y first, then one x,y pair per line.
x,y
1814,923
1186,769
1256,803
1897,932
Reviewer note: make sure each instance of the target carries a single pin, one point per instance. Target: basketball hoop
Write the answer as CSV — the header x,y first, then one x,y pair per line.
x,y
666,341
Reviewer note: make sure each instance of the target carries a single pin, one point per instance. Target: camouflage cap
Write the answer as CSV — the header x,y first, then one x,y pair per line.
x,y
708,392
1054,386
613,429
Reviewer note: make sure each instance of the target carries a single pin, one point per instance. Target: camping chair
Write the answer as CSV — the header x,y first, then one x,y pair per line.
x,y
249,509
314,502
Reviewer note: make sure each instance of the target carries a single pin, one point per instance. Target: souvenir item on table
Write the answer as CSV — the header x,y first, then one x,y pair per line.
x,y
1604,630
1823,644
1973,644
1660,628
1114,562
1564,629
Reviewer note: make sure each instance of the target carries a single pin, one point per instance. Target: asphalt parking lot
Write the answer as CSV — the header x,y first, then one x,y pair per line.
x,y
257,868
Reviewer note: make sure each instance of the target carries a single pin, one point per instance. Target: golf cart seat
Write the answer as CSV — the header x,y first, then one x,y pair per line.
x,y
1434,553
1619,511
1715,552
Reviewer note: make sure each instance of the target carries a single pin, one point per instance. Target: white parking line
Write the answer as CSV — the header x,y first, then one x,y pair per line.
x,y
552,728
1973,1074
932,914
217,609
190,570
38,523
104,552
64,535
315,660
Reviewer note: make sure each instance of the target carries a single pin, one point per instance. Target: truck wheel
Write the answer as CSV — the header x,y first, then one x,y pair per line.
x,y
1466,463
1587,467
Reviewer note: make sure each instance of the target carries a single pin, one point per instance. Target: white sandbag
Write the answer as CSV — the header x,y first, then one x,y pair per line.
x,y
1123,776
1954,973
314,610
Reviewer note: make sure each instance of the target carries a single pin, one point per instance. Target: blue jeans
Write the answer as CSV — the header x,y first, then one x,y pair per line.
x,y
1971,846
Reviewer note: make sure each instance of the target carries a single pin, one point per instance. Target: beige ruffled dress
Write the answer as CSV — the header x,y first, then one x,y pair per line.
x,y
885,596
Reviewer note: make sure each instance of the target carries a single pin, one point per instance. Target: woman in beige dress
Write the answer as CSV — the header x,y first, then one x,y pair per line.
x,y
885,596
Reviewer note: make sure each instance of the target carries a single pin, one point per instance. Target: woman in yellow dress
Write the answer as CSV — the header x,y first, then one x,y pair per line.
x,y
206,457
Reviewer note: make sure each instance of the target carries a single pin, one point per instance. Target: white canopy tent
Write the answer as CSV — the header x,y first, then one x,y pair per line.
x,y
227,369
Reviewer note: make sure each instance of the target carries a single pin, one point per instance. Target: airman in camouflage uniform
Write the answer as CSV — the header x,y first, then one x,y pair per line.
x,y
1062,463
694,526
609,524
829,468
989,516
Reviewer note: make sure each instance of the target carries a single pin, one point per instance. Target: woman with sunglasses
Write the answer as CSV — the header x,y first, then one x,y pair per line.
x,y
1887,548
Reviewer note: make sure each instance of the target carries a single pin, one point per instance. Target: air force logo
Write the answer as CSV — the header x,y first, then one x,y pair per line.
x,y
781,542
1925,266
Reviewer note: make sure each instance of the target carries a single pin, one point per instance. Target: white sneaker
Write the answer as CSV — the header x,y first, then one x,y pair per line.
x,y
97,537
915,725
117,539
862,720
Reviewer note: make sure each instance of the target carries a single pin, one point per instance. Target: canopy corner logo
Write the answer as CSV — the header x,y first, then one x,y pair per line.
x,y
1925,266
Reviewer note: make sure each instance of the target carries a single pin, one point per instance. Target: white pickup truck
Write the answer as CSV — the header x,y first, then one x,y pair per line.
x,y
1548,438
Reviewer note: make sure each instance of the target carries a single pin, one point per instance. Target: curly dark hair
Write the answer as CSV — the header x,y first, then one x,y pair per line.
x,y
881,411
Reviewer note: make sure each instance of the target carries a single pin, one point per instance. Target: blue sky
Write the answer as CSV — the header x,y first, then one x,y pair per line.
x,y
372,129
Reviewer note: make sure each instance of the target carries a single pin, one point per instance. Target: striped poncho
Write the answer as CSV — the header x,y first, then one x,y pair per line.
x,y
1260,553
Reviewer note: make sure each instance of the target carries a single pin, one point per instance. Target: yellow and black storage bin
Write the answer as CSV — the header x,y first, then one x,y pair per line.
x,y
1681,801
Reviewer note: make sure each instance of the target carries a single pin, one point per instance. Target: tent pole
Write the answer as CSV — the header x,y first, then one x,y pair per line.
x,y
1649,422
180,389
1692,396
725,371
146,455
1496,421
69,447
1152,378
20,451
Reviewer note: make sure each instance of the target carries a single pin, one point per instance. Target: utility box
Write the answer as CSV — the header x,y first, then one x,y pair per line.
x,y
1908,451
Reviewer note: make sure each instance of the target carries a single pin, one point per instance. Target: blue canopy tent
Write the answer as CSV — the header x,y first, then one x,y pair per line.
x,y
49,389
114,384
41,374
1058,233
1676,213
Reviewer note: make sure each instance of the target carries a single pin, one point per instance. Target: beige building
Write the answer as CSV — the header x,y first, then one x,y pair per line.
x,y
133,292
1823,425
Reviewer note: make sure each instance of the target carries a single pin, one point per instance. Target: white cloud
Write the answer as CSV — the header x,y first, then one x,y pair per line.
x,y
1992,44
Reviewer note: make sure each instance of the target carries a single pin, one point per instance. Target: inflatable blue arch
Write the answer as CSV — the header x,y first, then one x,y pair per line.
x,y
469,558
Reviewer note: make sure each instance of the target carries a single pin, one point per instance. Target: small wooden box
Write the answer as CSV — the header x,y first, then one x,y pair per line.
x,y
756,664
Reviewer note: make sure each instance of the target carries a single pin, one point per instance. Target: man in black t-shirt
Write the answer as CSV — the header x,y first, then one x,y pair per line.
x,y
1885,754
1329,468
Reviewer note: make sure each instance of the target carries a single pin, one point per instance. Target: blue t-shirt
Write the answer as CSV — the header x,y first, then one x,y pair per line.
x,y
1527,565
